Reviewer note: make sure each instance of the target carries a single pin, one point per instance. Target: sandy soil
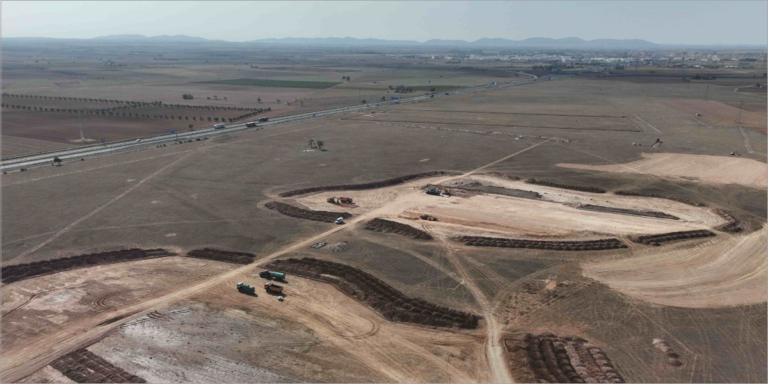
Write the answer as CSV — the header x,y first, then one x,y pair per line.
x,y
47,375
699,168
724,271
717,113
555,216
40,305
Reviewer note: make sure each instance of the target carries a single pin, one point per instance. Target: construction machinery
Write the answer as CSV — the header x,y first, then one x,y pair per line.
x,y
340,200
428,217
340,220
245,288
273,288
433,191
272,275
264,119
250,124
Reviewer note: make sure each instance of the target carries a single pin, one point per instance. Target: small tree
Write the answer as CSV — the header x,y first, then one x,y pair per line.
x,y
302,103
432,89
320,144
278,101
57,160
311,143
225,98
383,98
208,98
259,100
363,101
190,126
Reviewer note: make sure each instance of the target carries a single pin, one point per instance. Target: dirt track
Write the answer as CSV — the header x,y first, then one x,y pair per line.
x,y
34,354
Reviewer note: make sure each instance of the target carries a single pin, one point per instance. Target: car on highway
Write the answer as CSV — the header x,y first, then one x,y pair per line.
x,y
250,124
264,119
219,126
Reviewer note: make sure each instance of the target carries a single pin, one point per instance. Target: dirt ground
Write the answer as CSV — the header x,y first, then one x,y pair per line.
x,y
212,194
717,113
696,168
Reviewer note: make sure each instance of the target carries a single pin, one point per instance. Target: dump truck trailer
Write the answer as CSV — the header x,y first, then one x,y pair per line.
x,y
272,275
247,289
272,287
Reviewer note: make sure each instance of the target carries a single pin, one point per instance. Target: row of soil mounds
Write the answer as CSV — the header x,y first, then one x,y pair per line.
x,y
371,185
225,256
662,238
82,366
550,359
18,272
622,211
565,186
586,245
732,225
300,213
678,199
388,301
386,226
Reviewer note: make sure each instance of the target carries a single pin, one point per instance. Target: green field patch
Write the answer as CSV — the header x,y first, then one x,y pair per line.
x,y
274,83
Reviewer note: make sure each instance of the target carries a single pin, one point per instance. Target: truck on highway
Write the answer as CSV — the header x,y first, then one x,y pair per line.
x,y
264,119
272,275
245,288
219,126
273,288
250,124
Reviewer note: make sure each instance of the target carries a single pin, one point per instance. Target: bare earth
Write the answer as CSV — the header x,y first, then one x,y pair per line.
x,y
700,168
724,271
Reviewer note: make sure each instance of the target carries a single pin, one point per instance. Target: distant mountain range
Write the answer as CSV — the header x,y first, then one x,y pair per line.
x,y
534,42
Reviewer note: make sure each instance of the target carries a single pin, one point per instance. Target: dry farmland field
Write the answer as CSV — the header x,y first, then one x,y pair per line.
x,y
587,230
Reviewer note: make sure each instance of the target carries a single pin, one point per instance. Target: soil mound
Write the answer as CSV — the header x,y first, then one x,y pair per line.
x,y
662,238
550,359
388,301
225,256
339,247
299,213
386,226
371,185
587,245
18,272
565,186
82,366
733,225
622,211
678,199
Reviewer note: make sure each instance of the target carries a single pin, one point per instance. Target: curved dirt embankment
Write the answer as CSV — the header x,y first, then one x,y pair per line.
x,y
726,271
682,167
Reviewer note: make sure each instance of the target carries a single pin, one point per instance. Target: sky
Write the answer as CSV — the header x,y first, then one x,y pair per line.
x,y
662,22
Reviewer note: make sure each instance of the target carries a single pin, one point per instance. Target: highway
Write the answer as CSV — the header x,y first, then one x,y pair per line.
x,y
16,163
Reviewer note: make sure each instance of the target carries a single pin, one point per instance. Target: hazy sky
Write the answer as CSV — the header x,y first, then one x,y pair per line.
x,y
726,22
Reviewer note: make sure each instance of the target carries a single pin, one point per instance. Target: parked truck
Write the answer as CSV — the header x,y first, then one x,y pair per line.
x,y
273,288
245,288
272,275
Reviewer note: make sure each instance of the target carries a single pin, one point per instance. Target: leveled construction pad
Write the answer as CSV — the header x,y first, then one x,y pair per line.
x,y
700,168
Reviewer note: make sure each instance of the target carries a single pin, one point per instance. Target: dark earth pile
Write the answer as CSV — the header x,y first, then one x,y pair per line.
x,y
82,366
391,303
587,245
386,226
18,272
299,213
371,185
226,256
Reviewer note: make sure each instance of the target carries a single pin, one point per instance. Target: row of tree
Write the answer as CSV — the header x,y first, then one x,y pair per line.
x,y
114,113
133,104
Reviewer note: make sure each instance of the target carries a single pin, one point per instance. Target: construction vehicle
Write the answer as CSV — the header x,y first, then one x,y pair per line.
x,y
272,287
340,220
263,119
428,217
433,191
245,288
219,126
340,200
272,275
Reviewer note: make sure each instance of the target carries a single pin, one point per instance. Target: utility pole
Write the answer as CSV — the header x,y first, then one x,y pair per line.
x,y
82,136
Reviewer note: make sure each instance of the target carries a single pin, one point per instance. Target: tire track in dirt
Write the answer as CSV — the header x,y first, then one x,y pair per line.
x,y
25,359
494,349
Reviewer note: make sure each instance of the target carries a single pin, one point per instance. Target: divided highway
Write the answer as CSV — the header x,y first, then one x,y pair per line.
x,y
72,154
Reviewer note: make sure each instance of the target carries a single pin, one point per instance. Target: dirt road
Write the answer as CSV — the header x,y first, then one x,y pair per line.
x,y
25,359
